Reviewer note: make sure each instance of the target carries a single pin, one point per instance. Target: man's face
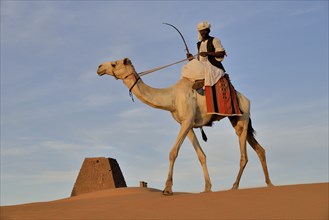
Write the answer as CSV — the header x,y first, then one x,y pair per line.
x,y
205,33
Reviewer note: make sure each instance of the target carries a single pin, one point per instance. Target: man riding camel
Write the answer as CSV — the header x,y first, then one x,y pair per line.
x,y
209,75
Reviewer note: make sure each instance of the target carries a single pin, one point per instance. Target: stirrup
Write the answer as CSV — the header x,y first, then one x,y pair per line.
x,y
200,91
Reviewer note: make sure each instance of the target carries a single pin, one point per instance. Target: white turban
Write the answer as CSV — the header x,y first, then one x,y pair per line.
x,y
201,26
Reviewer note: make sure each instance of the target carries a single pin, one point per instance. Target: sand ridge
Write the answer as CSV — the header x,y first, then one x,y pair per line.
x,y
303,201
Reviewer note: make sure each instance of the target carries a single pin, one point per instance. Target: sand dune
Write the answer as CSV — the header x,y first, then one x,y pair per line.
x,y
306,201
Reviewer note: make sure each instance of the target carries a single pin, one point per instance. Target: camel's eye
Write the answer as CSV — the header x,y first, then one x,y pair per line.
x,y
113,65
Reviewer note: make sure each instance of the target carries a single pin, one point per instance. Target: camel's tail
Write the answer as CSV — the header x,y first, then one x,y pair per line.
x,y
204,136
251,134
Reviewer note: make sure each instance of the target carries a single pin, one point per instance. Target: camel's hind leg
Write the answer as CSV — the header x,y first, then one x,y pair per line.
x,y
241,129
245,133
260,152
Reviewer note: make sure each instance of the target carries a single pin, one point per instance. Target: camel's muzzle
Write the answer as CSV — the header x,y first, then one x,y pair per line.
x,y
101,71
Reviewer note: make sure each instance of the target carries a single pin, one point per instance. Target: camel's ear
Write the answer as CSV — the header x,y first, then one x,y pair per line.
x,y
126,61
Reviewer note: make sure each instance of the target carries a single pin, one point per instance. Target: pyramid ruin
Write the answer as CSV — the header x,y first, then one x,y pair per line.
x,y
98,174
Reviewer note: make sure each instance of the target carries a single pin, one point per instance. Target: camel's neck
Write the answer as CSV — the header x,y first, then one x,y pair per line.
x,y
156,98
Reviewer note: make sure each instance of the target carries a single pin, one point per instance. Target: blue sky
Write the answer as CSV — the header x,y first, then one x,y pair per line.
x,y
56,111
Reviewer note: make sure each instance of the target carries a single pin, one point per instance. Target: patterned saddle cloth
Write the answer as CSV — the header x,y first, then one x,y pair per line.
x,y
221,98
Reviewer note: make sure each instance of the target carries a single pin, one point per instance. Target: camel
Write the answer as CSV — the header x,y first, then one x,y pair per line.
x,y
188,108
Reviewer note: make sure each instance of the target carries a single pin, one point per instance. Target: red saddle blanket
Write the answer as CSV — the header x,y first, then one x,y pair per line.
x,y
221,98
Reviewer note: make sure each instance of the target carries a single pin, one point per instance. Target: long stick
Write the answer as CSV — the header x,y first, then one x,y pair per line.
x,y
180,35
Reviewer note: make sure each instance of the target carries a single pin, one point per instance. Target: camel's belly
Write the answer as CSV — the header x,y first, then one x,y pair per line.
x,y
198,116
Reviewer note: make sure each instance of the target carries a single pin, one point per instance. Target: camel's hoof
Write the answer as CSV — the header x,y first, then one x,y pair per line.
x,y
270,185
207,191
167,193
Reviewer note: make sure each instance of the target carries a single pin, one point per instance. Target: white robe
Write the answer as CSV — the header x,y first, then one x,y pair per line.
x,y
196,70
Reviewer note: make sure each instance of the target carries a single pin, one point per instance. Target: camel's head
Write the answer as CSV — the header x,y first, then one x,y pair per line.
x,y
120,69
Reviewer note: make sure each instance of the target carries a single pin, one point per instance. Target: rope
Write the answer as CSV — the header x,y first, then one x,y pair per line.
x,y
161,67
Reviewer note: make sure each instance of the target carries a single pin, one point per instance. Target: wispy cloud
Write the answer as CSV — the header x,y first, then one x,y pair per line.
x,y
44,177
308,10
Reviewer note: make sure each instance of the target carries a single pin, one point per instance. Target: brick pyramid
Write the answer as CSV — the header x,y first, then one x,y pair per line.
x,y
98,174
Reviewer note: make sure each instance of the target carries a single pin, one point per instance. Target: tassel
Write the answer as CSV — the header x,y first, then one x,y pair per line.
x,y
131,96
204,136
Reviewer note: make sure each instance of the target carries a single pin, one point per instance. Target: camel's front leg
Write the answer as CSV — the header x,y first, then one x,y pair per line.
x,y
202,158
185,128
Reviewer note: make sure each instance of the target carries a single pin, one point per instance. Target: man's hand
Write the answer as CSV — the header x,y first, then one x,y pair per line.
x,y
189,56
203,54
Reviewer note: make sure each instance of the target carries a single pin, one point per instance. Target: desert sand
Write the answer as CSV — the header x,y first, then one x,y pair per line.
x,y
303,201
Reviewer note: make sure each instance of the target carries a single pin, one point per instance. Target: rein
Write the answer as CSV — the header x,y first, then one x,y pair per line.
x,y
162,67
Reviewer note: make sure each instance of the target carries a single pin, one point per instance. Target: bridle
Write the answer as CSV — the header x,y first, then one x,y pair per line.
x,y
137,77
